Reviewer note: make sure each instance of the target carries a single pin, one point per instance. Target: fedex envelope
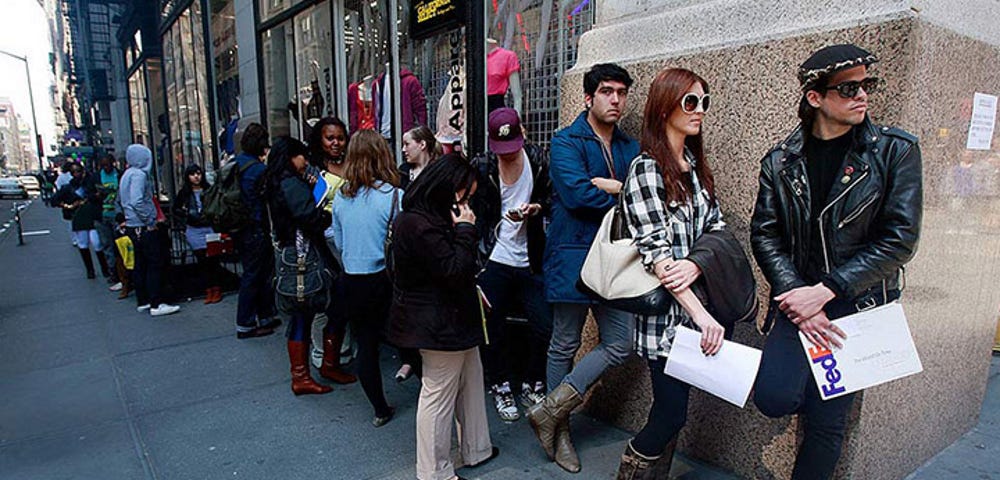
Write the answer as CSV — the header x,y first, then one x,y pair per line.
x,y
878,349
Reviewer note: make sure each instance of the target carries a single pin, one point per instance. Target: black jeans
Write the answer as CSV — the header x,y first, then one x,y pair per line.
x,y
504,285
365,300
667,415
147,273
256,297
785,386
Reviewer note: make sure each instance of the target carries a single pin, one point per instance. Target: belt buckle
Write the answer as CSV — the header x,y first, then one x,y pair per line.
x,y
866,304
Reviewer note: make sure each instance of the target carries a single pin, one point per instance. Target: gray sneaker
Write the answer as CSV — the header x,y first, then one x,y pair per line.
x,y
531,396
503,400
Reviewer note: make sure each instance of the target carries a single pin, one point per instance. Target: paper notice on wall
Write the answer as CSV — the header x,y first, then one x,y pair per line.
x,y
984,117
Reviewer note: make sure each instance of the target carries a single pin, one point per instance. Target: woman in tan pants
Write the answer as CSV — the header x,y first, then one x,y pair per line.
x,y
436,309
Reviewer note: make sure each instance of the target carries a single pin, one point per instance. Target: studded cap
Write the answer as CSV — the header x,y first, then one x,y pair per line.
x,y
828,60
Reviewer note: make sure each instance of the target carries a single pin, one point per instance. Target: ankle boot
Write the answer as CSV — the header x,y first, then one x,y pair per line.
x,y
661,469
545,417
565,453
218,294
88,262
636,466
209,295
103,262
302,382
331,360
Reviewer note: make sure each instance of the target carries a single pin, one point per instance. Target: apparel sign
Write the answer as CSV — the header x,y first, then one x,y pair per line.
x,y
430,17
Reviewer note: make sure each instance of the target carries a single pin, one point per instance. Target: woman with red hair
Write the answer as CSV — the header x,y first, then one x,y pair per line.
x,y
670,201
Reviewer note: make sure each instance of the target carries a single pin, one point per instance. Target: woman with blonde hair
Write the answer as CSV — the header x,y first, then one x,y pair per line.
x,y
363,209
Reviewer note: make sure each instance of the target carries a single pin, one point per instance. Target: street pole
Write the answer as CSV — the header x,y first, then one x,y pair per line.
x,y
34,118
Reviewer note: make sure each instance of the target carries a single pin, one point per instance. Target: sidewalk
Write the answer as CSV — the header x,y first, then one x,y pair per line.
x,y
94,390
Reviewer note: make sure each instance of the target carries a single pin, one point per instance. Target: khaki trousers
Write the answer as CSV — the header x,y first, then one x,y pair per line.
x,y
452,391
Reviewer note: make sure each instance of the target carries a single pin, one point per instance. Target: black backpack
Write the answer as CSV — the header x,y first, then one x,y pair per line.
x,y
224,207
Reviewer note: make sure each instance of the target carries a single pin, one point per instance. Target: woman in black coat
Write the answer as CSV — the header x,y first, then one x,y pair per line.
x,y
189,207
297,228
436,309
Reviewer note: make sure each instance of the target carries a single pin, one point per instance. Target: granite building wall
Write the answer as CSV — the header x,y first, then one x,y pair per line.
x,y
931,68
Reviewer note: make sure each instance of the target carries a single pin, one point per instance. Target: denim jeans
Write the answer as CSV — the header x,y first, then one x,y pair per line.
x,y
667,415
616,328
504,285
785,386
147,274
256,297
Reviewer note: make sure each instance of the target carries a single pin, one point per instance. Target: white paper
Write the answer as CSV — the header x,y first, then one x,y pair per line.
x,y
729,374
984,117
878,349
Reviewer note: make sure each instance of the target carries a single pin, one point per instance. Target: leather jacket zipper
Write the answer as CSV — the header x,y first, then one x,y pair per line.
x,y
822,234
857,212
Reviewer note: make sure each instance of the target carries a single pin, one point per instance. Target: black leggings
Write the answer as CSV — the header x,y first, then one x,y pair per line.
x,y
667,415
208,267
366,300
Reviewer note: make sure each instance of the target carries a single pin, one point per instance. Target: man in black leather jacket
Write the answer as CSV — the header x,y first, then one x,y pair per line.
x,y
836,218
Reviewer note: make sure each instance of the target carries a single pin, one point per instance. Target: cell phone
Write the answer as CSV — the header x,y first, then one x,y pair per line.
x,y
515,214
455,210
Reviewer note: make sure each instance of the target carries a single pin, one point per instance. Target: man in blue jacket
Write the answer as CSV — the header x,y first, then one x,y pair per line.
x,y
588,163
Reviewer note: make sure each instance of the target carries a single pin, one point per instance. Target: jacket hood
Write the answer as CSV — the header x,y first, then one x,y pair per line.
x,y
139,156
581,128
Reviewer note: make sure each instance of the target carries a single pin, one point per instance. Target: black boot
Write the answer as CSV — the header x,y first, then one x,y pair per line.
x,y
103,262
88,262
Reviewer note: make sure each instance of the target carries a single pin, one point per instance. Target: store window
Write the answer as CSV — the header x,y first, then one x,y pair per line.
x,y
367,59
298,72
227,78
186,89
138,105
270,8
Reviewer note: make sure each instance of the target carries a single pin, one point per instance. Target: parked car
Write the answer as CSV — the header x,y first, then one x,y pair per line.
x,y
11,187
30,183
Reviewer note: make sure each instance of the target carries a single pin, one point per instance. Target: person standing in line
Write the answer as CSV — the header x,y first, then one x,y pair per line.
x,y
136,194
511,204
328,148
61,181
587,162
436,309
670,200
837,216
255,310
188,206
362,211
108,178
297,229
420,148
82,197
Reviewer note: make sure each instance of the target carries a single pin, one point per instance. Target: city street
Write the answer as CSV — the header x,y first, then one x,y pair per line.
x,y
93,390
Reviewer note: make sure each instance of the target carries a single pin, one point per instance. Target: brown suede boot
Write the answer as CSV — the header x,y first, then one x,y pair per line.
x,y
331,360
636,466
218,294
209,295
302,382
545,417
565,453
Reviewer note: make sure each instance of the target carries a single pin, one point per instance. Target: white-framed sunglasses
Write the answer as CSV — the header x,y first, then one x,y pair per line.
x,y
691,101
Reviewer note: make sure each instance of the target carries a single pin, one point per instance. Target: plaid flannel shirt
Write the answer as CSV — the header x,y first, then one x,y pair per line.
x,y
661,231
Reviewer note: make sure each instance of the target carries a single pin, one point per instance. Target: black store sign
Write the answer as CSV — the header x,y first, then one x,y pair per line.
x,y
431,17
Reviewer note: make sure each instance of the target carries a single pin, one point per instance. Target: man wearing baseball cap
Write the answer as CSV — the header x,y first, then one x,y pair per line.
x,y
837,216
511,202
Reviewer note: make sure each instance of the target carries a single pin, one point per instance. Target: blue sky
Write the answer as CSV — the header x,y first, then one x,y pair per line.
x,y
24,32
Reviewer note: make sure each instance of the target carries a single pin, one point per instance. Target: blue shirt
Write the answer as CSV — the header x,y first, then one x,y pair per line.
x,y
359,227
250,184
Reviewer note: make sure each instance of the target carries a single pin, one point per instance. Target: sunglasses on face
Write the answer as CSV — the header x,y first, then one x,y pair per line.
x,y
691,101
849,89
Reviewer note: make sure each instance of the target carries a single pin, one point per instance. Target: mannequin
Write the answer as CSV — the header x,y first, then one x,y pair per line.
x,y
502,73
359,105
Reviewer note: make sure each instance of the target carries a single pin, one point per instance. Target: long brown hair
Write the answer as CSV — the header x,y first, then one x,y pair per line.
x,y
665,95
368,161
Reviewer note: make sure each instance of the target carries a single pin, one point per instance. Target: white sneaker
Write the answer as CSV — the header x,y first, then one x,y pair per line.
x,y
503,400
142,308
116,287
316,356
164,309
531,396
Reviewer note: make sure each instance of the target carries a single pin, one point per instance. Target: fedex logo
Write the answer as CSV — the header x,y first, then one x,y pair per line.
x,y
824,357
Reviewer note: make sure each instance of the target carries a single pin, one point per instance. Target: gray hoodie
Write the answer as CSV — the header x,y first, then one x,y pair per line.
x,y
136,190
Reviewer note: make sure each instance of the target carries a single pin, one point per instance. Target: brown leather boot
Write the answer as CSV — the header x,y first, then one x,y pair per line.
x,y
331,360
636,466
302,382
218,294
209,295
545,417
565,453
661,469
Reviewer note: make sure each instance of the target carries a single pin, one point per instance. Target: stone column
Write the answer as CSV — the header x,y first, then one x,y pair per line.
x,y
935,55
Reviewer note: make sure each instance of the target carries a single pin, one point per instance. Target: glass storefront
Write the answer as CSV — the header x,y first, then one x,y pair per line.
x,y
186,83
138,106
270,8
226,67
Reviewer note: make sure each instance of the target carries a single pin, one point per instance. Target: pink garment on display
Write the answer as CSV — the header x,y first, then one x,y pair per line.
x,y
500,64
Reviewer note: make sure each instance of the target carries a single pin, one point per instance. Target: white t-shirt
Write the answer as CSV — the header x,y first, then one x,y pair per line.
x,y
512,239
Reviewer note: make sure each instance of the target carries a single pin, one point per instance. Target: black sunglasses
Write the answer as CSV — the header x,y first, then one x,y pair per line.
x,y
690,102
849,89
